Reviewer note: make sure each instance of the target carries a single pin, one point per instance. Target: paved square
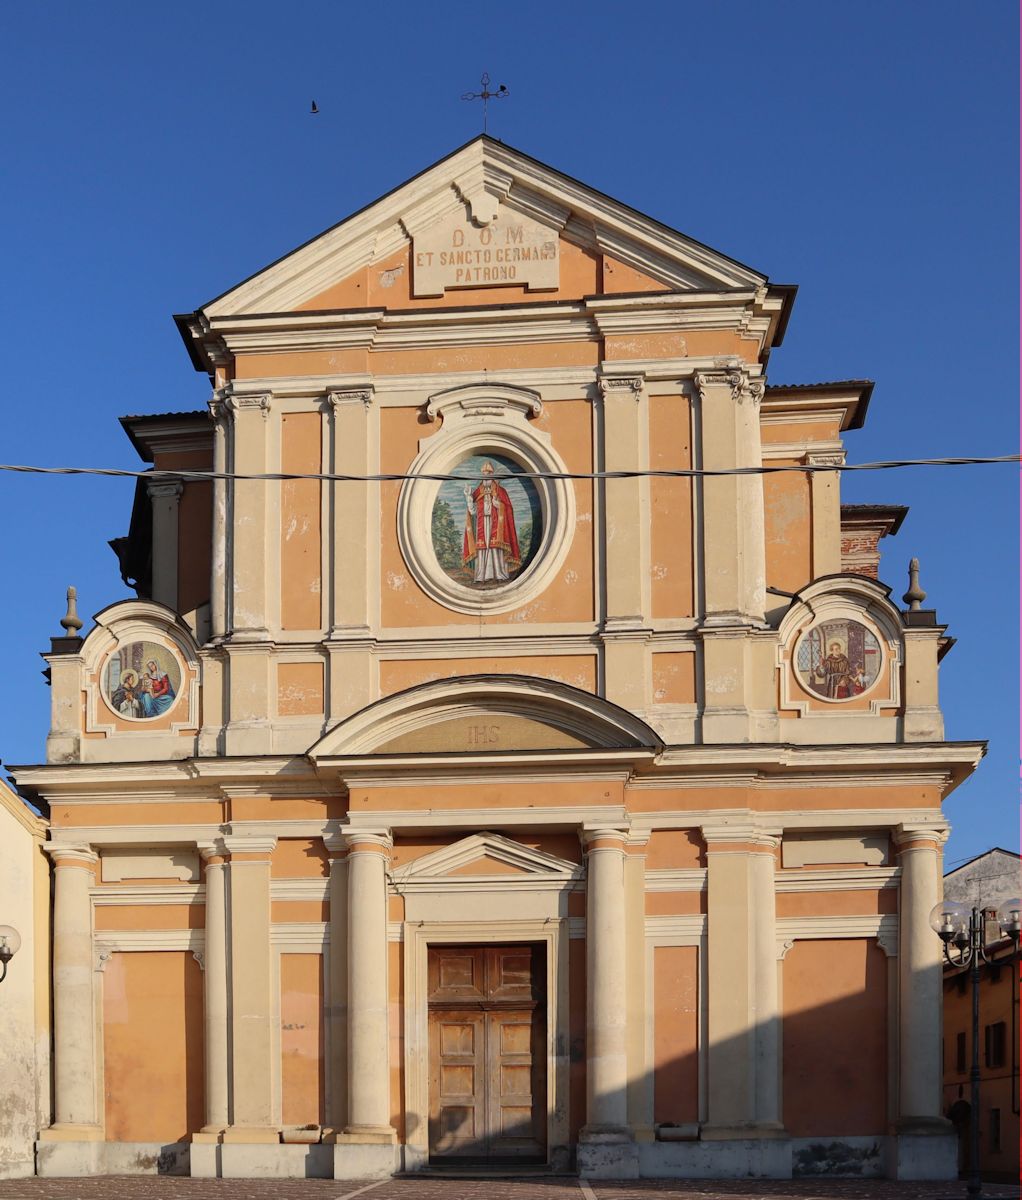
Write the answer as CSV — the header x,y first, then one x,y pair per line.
x,y
153,1187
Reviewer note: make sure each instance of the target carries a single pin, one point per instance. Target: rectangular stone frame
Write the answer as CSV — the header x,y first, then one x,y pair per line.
x,y
418,936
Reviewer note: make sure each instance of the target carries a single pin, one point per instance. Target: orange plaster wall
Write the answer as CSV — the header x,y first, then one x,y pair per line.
x,y
300,520
837,904
262,808
835,1085
299,689
301,362
153,1046
576,1037
507,793
578,670
670,448
831,797
675,848
673,904
482,358
786,500
675,1034
299,858
674,678
290,911
569,597
396,982
149,916
301,1039
826,430
619,277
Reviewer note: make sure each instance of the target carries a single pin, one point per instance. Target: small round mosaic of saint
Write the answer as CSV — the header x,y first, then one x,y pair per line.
x,y
487,522
141,680
838,660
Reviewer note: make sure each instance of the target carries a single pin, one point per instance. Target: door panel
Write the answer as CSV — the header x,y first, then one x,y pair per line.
x,y
487,1052
457,1117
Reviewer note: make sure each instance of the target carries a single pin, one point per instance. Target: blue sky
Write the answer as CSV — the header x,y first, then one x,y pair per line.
x,y
154,155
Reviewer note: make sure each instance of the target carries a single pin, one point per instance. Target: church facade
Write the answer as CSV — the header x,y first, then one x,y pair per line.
x,y
517,803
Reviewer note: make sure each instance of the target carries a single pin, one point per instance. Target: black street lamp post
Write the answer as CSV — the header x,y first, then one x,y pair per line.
x,y
963,932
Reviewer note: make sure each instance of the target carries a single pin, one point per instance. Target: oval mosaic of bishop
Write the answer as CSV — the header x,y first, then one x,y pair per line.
x,y
487,522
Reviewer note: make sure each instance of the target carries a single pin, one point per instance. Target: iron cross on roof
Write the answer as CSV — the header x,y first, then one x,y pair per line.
x,y
486,95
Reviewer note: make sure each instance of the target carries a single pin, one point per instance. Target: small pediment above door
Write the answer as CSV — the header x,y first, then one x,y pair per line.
x,y
485,855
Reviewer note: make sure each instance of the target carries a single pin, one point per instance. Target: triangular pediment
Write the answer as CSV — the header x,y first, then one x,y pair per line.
x,y
483,198
485,855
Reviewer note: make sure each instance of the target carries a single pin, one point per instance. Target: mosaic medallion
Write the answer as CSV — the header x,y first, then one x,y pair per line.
x,y
838,660
141,680
488,523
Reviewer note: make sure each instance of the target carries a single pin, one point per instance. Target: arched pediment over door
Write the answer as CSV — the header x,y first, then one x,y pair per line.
x,y
488,714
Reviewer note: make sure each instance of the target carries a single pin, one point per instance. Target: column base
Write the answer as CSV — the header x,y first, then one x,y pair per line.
x,y
924,1148
368,1153
208,1136
742,1131
607,1152
250,1135
66,1132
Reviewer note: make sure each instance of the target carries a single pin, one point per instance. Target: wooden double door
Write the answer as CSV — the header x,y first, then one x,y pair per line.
x,y
487,1053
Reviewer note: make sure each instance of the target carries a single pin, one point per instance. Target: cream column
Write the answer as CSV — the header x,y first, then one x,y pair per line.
x,y
215,990
606,998
165,497
743,1019
626,559
919,981
337,993
352,509
76,1110
733,546
250,1007
368,999
221,527
825,490
248,644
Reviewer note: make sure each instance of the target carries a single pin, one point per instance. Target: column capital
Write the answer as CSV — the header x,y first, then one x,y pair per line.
x,y
339,397
236,403
829,458
745,837
237,844
603,837
734,375
919,837
164,489
71,854
633,383
212,852
374,841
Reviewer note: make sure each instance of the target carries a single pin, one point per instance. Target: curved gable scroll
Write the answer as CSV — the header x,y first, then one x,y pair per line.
x,y
487,714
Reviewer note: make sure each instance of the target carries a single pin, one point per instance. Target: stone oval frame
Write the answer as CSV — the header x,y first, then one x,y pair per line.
x,y
800,641
163,649
484,419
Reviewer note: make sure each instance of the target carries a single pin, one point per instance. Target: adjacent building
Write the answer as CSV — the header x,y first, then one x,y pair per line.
x,y
511,796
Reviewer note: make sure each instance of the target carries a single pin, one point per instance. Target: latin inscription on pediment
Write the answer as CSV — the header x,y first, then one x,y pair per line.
x,y
483,734
510,250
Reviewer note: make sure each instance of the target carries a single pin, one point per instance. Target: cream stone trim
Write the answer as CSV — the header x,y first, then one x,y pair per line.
x,y
853,879
790,929
417,939
488,418
129,895
536,866
300,889
508,178
676,879
682,929
131,940
311,934
590,718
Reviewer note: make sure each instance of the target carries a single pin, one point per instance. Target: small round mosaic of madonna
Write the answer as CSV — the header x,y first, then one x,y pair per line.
x,y
141,680
838,660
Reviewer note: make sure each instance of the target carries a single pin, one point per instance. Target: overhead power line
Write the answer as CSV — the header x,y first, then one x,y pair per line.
x,y
196,476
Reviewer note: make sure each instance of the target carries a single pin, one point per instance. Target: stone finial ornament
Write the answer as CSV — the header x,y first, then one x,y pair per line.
x,y
915,595
71,620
